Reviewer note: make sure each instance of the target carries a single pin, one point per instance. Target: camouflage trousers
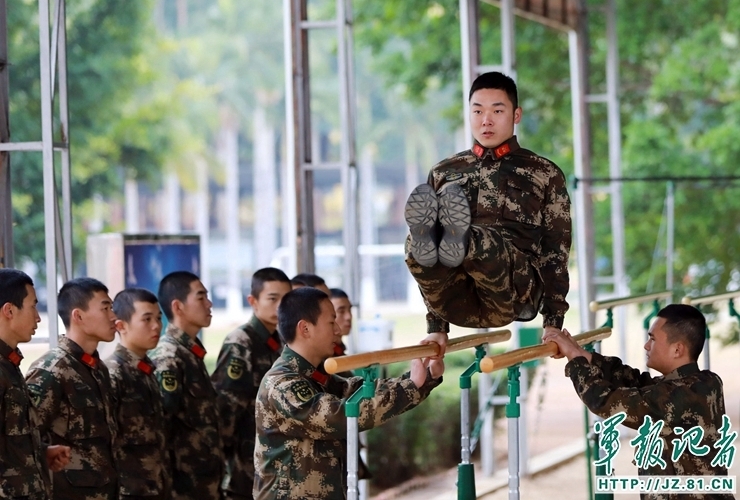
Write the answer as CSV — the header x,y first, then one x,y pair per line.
x,y
495,285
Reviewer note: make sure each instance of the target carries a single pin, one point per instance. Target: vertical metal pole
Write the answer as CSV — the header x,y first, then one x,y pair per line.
x,y
47,139
290,189
465,426
353,450
6,206
64,119
581,160
487,457
469,42
512,418
348,151
670,235
508,53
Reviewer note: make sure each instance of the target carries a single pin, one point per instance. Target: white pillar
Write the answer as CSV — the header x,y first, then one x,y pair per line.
x,y
229,156
172,197
131,205
265,190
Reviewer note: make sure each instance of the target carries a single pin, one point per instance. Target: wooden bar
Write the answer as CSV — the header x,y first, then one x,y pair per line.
x,y
708,299
634,299
525,354
355,361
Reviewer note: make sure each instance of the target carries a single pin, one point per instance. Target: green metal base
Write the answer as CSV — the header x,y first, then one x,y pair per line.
x,y
465,482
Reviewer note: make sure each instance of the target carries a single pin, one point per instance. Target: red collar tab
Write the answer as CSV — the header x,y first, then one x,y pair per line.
x,y
273,342
479,150
338,350
502,150
145,367
15,358
321,378
89,360
198,351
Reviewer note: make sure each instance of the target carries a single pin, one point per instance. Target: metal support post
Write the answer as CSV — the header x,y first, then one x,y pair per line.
x,y
352,411
512,415
60,21
6,206
302,158
466,470
50,198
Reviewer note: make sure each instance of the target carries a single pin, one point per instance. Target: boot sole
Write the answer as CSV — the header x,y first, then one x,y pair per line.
x,y
454,216
421,216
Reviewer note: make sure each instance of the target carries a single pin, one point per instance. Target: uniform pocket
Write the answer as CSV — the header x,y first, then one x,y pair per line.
x,y
20,486
86,478
523,202
86,418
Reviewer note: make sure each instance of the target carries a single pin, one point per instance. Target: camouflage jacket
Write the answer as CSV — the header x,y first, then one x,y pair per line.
x,y
685,398
140,444
22,464
71,395
191,416
247,354
302,429
524,196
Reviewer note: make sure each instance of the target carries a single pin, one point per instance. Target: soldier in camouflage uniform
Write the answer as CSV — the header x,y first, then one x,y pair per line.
x,y
682,397
22,465
143,460
301,427
71,393
190,407
491,229
247,354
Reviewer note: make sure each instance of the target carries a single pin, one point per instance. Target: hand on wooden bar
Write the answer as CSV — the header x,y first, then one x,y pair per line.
x,y
567,346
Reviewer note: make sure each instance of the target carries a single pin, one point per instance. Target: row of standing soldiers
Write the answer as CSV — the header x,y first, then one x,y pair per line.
x,y
154,426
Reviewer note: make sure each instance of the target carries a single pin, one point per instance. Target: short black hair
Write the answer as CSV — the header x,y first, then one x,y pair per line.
x,y
174,286
496,80
262,276
308,279
123,304
13,287
338,293
685,323
77,294
299,304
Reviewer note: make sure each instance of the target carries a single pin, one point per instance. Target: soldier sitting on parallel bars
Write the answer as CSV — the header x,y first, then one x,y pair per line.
x,y
491,229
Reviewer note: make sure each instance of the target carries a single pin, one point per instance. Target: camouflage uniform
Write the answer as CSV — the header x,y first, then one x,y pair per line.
x,y
71,394
302,429
142,458
520,236
22,465
191,415
247,354
686,397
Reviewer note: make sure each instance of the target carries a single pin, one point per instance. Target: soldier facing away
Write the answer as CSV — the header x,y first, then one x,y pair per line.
x,y
491,229
71,393
682,397
301,425
247,354
194,443
23,460
143,461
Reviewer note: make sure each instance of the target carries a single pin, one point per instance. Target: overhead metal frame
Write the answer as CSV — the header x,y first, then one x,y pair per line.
x,y
302,161
57,225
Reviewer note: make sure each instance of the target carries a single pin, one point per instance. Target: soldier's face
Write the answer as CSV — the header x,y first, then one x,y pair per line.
x,y
326,333
99,320
25,319
659,348
196,310
265,306
492,117
343,309
141,332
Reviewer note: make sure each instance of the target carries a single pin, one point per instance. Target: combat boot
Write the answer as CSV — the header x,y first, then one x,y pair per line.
x,y
454,216
421,216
